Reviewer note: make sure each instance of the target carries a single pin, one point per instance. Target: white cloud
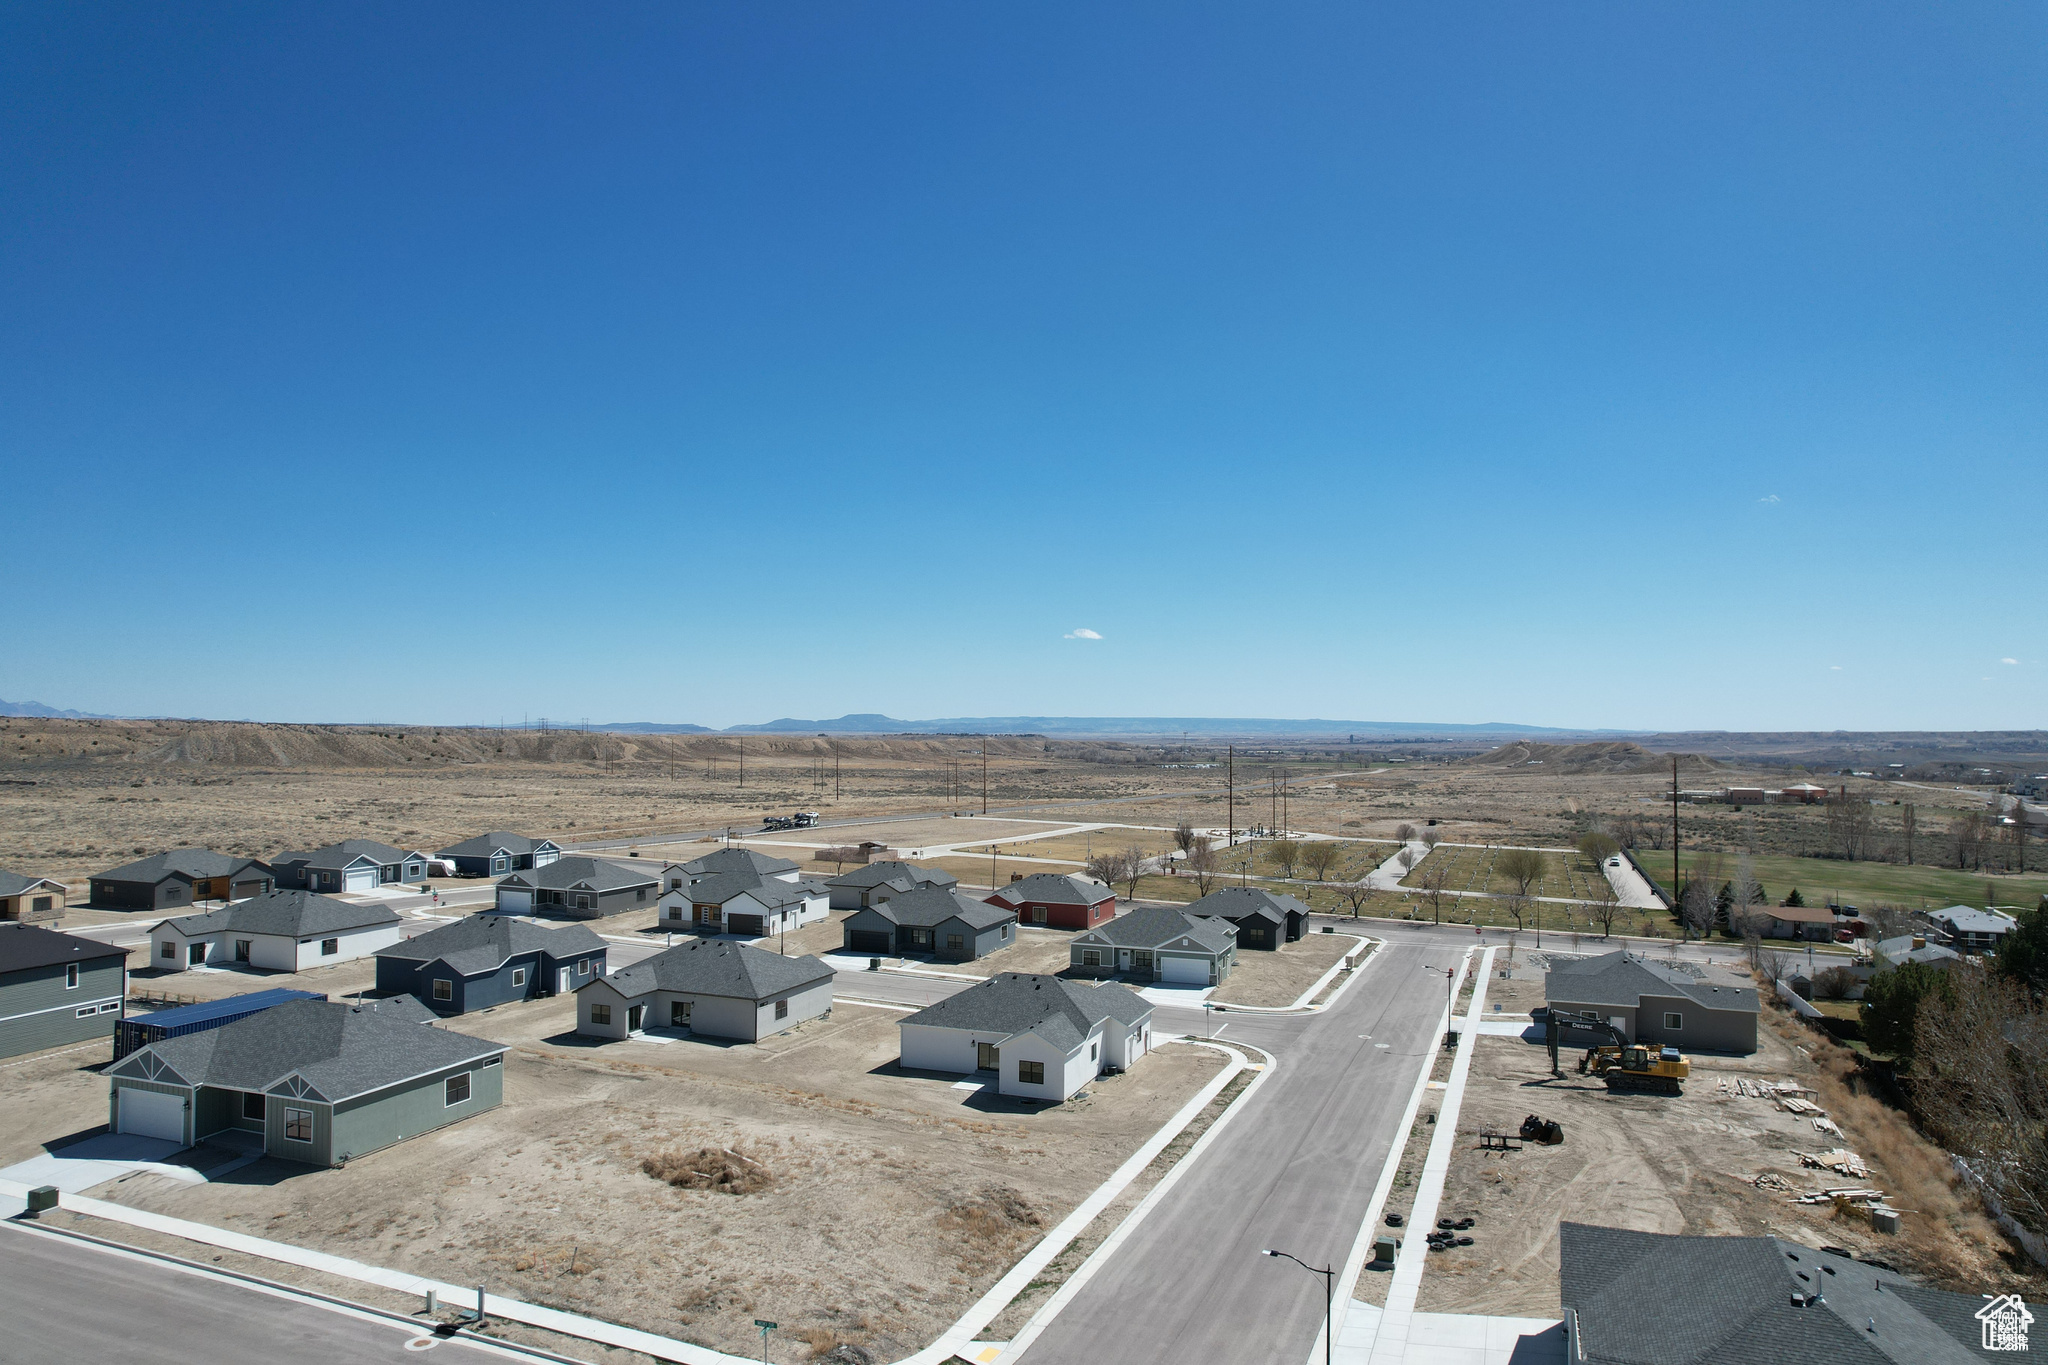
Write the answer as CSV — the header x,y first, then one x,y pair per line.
x,y
1082,634
2013,662
1834,668
1772,497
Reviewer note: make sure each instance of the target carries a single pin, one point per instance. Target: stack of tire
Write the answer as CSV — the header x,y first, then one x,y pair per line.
x,y
1546,1131
1446,1235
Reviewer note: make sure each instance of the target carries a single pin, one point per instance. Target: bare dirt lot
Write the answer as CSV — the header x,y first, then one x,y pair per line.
x,y
1279,977
1675,1165
890,1201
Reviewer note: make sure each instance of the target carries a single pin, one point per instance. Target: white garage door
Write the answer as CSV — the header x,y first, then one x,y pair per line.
x,y
543,858
150,1114
360,879
1190,971
511,902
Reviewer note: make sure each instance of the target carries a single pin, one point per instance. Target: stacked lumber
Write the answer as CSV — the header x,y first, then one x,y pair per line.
x,y
1840,1160
1827,1125
1854,1194
1763,1090
1792,1104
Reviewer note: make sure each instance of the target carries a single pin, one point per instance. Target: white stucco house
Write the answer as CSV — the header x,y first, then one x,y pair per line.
x,y
743,860
741,903
1043,1038
286,931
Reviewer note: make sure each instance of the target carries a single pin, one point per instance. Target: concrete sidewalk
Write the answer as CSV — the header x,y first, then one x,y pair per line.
x,y
1453,1339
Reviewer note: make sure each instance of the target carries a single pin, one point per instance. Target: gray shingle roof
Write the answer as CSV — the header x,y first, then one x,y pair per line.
x,y
340,1050
737,860
482,943
15,883
192,862
1054,888
23,946
1644,1298
298,914
874,874
1622,978
1063,1013
926,907
599,873
719,887
1154,926
484,845
1901,949
1248,902
705,966
1965,919
342,854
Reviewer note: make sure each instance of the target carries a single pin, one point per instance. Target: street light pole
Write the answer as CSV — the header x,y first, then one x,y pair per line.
x,y
1329,1296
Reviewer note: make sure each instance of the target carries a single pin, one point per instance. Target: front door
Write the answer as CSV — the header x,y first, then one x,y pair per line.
x,y
566,984
195,954
241,950
706,916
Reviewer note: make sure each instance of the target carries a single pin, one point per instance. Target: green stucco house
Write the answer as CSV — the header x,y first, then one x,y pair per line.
x,y
321,1082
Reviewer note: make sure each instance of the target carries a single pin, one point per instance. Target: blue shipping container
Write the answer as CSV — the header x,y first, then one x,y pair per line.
x,y
142,1030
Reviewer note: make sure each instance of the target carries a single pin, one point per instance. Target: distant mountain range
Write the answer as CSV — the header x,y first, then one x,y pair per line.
x,y
868,723
36,708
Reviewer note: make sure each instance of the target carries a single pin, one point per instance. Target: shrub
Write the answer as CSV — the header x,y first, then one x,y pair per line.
x,y
709,1168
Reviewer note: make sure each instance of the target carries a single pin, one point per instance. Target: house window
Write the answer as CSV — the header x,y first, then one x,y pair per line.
x,y
252,1105
583,967
1006,931
329,947
70,975
444,989
639,894
88,1012
519,976
1031,1073
42,905
955,942
675,912
1091,957
782,1009
1673,1021
298,1125
172,893
1038,914
497,864
583,902
112,1007
458,1090
242,950
679,1013
600,1014
169,949
1094,1051
413,870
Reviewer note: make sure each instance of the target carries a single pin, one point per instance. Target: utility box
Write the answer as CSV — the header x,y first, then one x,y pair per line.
x,y
1383,1249
1883,1219
42,1198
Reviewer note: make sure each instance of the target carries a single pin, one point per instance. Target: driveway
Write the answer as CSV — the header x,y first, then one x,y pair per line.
x,y
82,1165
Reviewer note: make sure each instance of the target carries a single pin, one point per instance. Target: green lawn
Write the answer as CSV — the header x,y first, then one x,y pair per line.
x,y
1566,876
1823,879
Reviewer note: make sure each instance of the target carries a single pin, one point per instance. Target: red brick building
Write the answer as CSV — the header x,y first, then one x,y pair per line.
x,y
1057,902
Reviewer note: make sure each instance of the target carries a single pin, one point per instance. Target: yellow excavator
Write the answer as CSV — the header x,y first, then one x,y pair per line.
x,y
1634,1066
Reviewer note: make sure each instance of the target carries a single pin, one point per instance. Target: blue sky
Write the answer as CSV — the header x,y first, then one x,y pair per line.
x,y
1590,365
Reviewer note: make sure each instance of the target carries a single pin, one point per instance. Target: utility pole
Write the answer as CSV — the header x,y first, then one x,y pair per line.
x,y
1674,826
835,770
984,778
1230,785
743,764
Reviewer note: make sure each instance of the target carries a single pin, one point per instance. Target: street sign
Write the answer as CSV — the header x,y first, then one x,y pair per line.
x,y
766,1325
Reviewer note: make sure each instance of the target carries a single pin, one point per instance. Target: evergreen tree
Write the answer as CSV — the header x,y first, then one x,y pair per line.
x,y
1794,898
1891,1005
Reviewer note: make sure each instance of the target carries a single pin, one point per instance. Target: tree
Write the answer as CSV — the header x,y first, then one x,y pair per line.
x,y
1909,827
838,855
1696,909
1406,858
1431,837
1597,846
1320,855
1201,863
1133,861
1849,826
1405,832
1184,837
1516,906
1794,899
1436,882
2016,834
1966,839
1107,867
1834,984
1522,866
1283,854
1602,913
1356,895
1891,1005
2023,953
1980,1084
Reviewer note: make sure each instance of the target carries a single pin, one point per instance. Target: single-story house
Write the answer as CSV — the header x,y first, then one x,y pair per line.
x,y
1892,952
743,903
742,860
351,865
713,987
30,898
1635,1297
877,882
1057,901
320,1082
1264,919
487,960
577,887
1159,943
285,931
57,989
180,877
930,921
1812,922
1042,1037
1969,930
1650,1004
499,852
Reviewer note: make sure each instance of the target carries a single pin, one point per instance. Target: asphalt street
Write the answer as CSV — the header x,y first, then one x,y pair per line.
x,y
65,1300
